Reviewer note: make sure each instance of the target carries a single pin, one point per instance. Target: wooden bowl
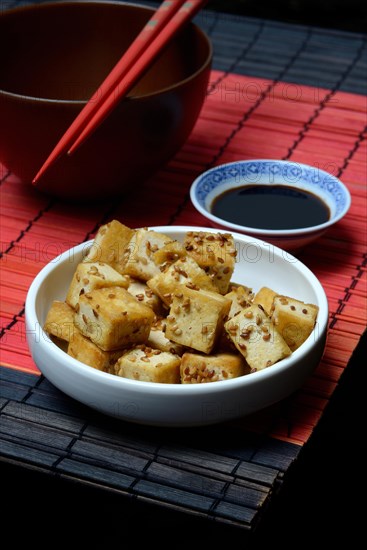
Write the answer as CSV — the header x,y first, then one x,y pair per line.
x,y
59,54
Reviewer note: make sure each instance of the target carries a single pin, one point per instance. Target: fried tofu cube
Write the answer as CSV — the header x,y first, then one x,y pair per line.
x,y
158,340
196,318
256,338
185,271
265,297
89,276
60,321
112,318
197,368
149,365
294,319
169,254
146,296
84,350
241,297
110,245
142,247
215,253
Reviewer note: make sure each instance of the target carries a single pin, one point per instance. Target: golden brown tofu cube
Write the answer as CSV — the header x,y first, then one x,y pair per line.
x,y
112,318
294,319
149,365
215,253
84,350
196,368
256,338
265,297
169,254
110,245
89,276
142,247
158,340
185,271
60,321
196,318
241,297
141,291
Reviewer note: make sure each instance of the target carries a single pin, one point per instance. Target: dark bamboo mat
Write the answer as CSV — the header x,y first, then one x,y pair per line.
x,y
276,91
216,472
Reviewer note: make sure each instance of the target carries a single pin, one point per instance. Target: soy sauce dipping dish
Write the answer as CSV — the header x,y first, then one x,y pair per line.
x,y
289,204
174,405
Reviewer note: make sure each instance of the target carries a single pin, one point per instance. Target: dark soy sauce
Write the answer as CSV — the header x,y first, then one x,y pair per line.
x,y
270,207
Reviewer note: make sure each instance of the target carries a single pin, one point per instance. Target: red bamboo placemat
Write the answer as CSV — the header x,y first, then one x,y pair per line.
x,y
242,118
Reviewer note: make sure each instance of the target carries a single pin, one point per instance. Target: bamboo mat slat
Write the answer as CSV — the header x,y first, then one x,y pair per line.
x,y
276,91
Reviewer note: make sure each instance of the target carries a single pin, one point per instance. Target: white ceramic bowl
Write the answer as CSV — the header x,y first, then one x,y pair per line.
x,y
212,183
258,264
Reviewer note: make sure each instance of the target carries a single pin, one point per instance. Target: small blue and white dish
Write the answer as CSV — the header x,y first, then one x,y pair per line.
x,y
285,203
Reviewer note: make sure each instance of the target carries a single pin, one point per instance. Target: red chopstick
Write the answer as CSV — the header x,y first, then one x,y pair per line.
x,y
183,15
151,30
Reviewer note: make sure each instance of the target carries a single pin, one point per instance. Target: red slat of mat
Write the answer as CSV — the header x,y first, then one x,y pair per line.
x,y
20,264
324,134
23,362
308,400
350,101
22,198
319,386
328,371
341,343
355,178
294,112
346,326
346,314
291,93
234,89
356,315
335,295
11,307
331,122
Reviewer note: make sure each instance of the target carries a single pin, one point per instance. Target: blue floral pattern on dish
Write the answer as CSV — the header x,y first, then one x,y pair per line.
x,y
269,171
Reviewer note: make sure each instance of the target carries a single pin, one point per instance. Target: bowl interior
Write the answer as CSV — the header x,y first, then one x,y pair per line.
x,y
64,50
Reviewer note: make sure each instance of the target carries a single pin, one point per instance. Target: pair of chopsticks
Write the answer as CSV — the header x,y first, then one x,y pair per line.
x,y
167,20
